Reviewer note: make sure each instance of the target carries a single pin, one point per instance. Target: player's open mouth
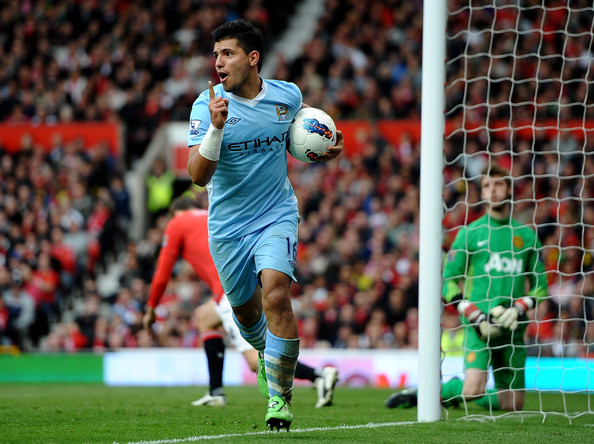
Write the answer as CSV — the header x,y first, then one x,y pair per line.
x,y
222,76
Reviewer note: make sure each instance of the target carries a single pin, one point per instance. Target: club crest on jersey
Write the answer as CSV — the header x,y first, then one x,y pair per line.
x,y
282,111
518,242
194,128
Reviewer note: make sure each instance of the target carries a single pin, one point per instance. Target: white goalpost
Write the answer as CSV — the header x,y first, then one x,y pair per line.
x,y
519,92
430,211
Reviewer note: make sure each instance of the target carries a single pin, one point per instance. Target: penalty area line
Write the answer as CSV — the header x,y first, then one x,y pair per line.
x,y
370,425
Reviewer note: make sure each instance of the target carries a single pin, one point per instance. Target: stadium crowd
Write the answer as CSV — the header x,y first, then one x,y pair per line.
x,y
142,63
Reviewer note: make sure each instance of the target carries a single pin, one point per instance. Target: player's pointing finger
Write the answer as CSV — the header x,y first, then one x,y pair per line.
x,y
211,92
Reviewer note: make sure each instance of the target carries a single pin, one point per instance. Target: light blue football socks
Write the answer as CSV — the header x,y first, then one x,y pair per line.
x,y
255,335
280,356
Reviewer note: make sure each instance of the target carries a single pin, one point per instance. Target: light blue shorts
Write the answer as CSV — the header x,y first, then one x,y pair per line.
x,y
240,261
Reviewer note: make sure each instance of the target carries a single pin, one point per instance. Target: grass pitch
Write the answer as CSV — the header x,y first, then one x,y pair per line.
x,y
94,413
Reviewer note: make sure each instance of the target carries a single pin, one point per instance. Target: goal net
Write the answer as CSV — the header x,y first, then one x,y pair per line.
x,y
519,93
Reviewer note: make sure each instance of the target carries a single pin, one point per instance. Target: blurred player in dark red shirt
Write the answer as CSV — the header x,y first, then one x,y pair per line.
x,y
185,237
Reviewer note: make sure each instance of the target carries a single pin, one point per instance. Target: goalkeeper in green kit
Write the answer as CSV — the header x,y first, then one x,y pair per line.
x,y
493,275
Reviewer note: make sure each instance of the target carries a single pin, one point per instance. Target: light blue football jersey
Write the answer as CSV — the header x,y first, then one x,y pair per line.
x,y
250,188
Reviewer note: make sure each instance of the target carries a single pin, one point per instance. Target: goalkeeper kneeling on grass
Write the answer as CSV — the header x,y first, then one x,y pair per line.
x,y
485,279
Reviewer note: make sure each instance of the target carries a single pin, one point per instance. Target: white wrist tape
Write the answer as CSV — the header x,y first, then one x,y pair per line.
x,y
210,148
471,311
524,304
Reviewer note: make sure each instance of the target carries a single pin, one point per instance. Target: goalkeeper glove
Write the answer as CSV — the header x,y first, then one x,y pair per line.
x,y
479,321
508,317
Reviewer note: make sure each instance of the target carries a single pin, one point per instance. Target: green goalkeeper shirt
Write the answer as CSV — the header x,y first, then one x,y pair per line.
x,y
496,259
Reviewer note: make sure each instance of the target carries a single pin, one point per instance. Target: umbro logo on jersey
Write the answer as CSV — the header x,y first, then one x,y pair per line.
x,y
233,120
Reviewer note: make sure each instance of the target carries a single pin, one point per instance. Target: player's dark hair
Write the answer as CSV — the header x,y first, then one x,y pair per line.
x,y
249,37
183,203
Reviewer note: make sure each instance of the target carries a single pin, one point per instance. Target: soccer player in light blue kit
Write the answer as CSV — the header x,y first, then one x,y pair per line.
x,y
237,139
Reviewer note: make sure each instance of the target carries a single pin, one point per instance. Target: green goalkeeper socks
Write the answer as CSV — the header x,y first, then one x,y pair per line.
x,y
489,401
451,392
451,395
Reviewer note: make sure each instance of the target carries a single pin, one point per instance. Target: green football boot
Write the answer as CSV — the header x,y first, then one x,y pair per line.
x,y
279,414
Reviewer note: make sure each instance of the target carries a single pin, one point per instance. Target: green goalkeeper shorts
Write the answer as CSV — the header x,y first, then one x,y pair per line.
x,y
506,355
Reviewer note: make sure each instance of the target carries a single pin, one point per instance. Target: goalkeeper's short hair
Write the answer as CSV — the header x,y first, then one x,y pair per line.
x,y
496,170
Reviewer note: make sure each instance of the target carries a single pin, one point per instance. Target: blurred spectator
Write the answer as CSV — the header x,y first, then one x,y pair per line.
x,y
159,189
4,318
452,337
121,212
540,332
74,339
127,308
21,311
88,316
101,230
44,289
66,257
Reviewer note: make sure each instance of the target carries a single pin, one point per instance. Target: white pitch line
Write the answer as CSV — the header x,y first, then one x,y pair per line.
x,y
313,429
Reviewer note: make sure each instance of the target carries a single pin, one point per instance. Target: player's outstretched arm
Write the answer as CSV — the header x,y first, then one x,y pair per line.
x,y
148,320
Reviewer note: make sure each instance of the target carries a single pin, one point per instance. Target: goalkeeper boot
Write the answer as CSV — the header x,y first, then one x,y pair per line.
x,y
279,413
325,386
402,400
261,376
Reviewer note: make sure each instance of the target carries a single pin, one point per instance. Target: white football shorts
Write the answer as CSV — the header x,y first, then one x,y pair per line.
x,y
225,312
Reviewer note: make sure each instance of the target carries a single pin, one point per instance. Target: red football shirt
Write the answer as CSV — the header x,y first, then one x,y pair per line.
x,y
186,235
